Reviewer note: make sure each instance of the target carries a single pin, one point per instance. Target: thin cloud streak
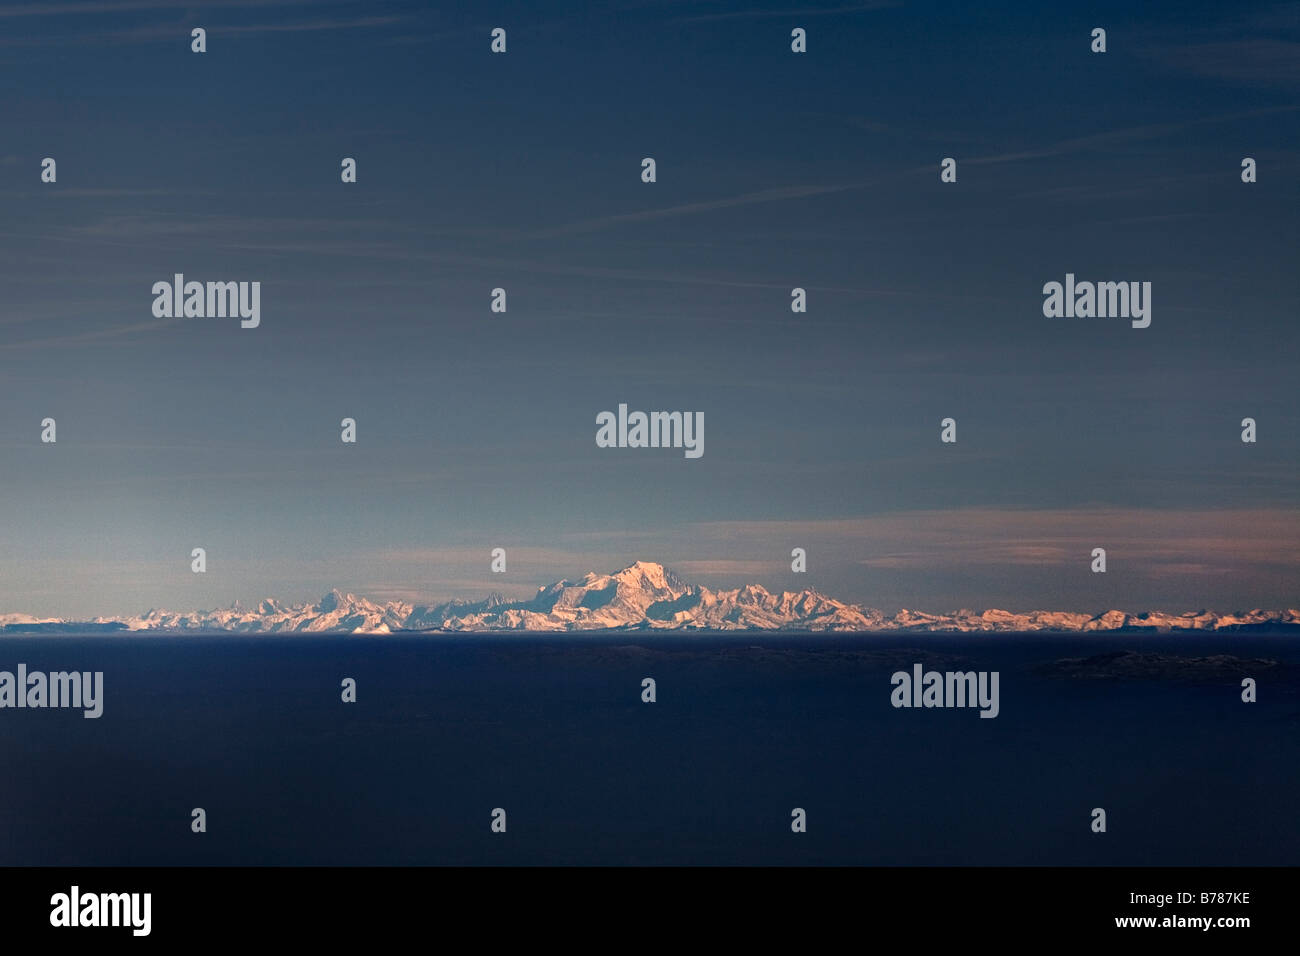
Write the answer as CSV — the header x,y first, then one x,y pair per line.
x,y
778,194
806,12
80,338
1151,131
153,34
127,6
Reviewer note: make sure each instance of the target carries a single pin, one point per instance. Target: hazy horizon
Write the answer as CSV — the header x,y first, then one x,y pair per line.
x,y
519,592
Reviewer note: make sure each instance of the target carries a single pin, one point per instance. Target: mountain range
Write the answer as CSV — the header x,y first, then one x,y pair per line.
x,y
642,597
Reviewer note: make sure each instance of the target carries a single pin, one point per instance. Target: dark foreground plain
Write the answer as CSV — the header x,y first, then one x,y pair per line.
x,y
745,728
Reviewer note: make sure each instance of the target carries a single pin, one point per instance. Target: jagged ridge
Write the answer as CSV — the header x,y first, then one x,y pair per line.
x,y
642,596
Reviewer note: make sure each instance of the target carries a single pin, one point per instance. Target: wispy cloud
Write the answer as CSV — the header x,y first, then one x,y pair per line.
x,y
1129,134
81,338
1245,44
151,33
795,192
1256,61
303,26
777,194
128,6
933,539
311,237
759,12
94,193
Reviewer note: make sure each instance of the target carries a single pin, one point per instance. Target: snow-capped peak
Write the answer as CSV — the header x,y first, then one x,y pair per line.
x,y
643,596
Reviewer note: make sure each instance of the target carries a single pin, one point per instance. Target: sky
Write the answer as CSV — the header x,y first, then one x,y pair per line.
x,y
522,171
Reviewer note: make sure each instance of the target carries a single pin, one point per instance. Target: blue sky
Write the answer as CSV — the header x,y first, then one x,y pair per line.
x,y
476,430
